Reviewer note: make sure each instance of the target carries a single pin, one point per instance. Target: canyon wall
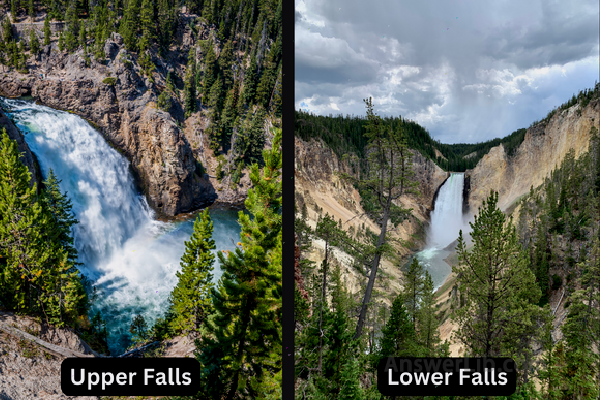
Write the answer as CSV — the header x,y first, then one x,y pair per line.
x,y
318,187
543,149
164,148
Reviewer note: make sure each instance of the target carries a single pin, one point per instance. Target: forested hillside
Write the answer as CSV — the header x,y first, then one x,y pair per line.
x,y
528,287
234,73
346,135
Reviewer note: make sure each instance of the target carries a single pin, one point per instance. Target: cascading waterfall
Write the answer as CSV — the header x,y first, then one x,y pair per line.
x,y
446,222
446,217
130,257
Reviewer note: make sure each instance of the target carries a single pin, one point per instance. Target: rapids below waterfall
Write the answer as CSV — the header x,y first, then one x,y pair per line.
x,y
129,256
446,222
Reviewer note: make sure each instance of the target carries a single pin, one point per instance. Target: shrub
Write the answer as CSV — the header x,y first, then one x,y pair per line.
x,y
110,81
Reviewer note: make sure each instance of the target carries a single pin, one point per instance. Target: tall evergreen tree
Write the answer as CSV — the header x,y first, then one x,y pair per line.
x,y
244,337
210,72
47,32
389,176
129,24
398,334
34,43
191,295
189,84
60,208
500,315
72,26
413,289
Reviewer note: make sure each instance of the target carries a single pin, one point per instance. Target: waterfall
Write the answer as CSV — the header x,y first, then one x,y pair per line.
x,y
446,217
446,222
130,257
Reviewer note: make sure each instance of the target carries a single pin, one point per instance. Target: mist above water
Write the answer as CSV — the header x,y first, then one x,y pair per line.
x,y
129,256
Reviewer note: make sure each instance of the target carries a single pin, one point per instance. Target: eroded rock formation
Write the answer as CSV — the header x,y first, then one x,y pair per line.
x,y
543,149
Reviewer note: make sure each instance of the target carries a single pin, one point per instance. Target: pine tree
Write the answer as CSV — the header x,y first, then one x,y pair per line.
x,y
139,329
34,43
210,71
398,335
250,82
191,295
13,10
254,138
60,208
72,27
189,86
232,355
82,34
37,278
388,176
500,313
225,65
351,389
427,321
277,102
129,25
61,42
413,289
31,10
216,96
47,32
147,23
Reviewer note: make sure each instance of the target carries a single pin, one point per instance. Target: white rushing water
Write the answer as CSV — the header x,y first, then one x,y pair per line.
x,y
446,217
130,257
446,222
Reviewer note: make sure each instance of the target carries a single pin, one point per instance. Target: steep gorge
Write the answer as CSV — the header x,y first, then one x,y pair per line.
x,y
318,186
542,150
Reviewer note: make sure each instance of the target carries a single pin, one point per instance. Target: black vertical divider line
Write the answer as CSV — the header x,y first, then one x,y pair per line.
x,y
288,208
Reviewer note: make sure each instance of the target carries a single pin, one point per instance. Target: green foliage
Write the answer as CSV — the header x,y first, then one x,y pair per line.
x,y
110,80
39,277
398,335
164,101
189,84
242,345
139,330
61,42
34,43
47,32
500,314
190,297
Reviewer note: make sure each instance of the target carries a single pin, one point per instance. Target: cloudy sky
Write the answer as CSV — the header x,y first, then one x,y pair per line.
x,y
466,71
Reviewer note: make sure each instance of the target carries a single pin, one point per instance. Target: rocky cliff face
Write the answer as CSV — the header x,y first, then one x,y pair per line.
x,y
26,156
121,102
317,186
542,150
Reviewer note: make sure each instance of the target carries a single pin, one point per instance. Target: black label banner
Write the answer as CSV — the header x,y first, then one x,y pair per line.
x,y
130,377
446,376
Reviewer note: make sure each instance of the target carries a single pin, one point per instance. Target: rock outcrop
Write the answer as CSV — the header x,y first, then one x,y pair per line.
x,y
121,103
543,149
27,157
29,370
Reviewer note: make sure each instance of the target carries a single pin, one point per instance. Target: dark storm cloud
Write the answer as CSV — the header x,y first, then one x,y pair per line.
x,y
495,68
